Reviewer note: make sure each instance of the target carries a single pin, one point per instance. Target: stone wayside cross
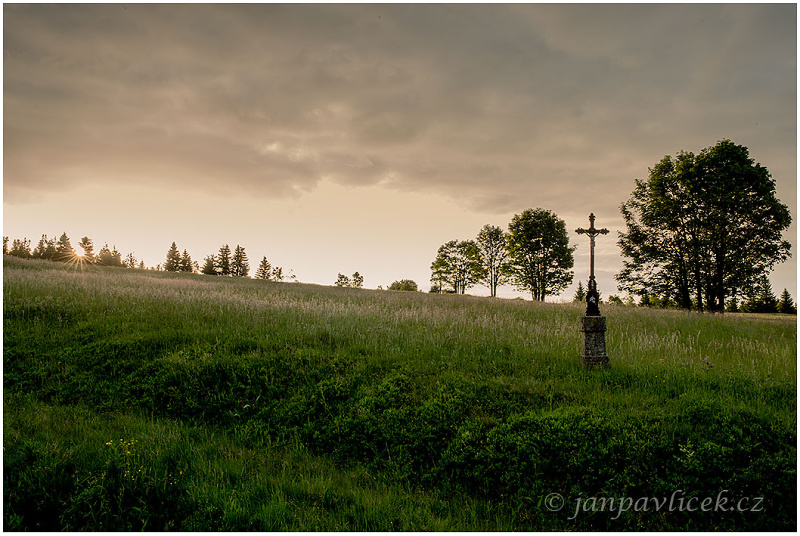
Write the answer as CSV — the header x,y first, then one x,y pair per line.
x,y
593,325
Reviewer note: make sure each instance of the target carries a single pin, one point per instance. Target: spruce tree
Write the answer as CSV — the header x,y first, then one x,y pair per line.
x,y
46,249
580,293
64,249
240,266
21,248
186,264
210,266
786,305
130,261
173,262
116,257
104,256
88,249
264,270
223,260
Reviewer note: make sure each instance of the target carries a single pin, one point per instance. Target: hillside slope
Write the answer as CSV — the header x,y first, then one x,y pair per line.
x,y
139,399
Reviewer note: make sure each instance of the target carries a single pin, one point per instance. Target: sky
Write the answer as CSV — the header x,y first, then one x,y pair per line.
x,y
337,138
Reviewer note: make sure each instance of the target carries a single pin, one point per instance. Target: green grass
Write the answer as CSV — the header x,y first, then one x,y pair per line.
x,y
142,400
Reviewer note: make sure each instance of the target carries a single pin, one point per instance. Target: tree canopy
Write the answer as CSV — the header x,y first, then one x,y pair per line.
x,y
702,228
540,256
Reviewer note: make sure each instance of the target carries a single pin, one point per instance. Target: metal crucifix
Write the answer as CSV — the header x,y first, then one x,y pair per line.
x,y
592,296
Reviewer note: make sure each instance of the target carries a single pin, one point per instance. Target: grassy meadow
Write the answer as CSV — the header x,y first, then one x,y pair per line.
x,y
162,401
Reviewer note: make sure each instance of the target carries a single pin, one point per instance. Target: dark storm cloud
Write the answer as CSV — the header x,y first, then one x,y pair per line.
x,y
486,103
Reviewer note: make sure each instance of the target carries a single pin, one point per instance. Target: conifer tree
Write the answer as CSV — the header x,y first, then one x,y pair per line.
x,y
786,305
21,248
64,248
130,261
41,247
580,294
5,245
240,266
88,249
264,270
210,266
105,257
185,264
46,249
116,257
173,262
223,260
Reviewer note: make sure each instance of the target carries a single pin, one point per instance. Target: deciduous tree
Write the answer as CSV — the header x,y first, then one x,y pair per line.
x,y
702,228
492,253
540,256
404,285
457,264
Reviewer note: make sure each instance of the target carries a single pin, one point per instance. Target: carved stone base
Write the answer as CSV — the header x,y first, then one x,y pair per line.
x,y
594,342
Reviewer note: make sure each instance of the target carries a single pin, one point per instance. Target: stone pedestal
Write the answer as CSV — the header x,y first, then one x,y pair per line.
x,y
594,341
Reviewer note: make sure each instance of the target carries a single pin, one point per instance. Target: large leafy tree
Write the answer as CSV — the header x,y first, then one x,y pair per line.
x,y
457,264
540,257
492,253
702,228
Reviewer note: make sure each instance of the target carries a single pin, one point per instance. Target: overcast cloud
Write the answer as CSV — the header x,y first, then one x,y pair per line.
x,y
480,102
486,104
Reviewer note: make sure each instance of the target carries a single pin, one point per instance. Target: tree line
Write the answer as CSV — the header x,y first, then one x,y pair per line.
x,y
534,255
224,263
702,233
61,250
